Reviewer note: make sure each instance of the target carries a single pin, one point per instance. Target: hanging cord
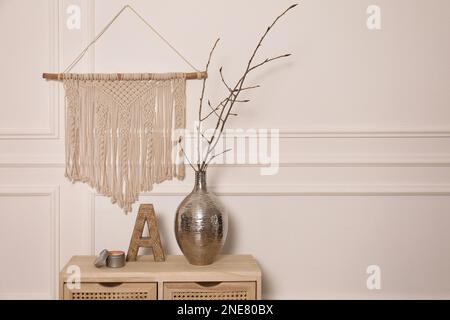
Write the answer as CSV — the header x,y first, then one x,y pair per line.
x,y
81,55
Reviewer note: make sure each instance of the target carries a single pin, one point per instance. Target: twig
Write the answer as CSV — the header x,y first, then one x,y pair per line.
x,y
202,134
269,60
200,109
224,82
217,155
249,88
234,93
240,101
213,110
185,155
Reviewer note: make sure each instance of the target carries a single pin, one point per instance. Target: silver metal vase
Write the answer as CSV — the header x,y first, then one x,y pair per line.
x,y
201,224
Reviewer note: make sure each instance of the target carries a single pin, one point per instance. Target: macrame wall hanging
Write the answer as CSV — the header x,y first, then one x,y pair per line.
x,y
121,129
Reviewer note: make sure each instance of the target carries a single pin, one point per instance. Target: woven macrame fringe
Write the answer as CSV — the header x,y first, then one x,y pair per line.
x,y
122,136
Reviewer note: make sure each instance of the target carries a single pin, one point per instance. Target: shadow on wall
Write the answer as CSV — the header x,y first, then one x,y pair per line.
x,y
230,242
231,246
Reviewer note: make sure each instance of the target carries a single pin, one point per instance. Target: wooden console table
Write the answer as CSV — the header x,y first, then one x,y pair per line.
x,y
231,277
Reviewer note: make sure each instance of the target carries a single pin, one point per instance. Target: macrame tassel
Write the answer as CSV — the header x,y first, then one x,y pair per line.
x,y
148,117
71,103
158,137
179,94
119,134
168,127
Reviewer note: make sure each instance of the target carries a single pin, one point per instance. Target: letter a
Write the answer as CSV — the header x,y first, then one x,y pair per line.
x,y
146,215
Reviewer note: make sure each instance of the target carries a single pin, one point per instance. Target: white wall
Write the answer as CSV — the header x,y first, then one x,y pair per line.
x,y
365,140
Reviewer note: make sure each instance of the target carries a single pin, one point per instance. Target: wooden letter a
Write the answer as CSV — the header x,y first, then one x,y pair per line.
x,y
146,213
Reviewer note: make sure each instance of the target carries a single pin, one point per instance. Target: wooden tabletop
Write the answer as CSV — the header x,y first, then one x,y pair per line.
x,y
175,268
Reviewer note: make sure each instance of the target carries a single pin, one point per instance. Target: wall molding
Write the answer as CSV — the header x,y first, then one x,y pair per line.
x,y
367,134
53,193
308,190
392,133
387,160
184,189
53,130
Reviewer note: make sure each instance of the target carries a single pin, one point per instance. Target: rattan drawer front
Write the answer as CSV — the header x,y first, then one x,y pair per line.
x,y
112,291
210,291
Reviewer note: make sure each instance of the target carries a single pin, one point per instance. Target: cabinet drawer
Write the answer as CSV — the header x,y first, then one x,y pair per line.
x,y
112,291
210,290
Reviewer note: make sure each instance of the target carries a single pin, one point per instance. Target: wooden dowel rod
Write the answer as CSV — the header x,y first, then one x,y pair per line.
x,y
188,76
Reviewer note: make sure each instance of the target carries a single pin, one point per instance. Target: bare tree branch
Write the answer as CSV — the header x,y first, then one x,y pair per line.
x,y
249,88
228,103
224,82
269,60
217,155
185,155
200,109
213,111
202,134
240,101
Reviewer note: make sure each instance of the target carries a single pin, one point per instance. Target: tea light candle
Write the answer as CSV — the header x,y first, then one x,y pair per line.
x,y
116,259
